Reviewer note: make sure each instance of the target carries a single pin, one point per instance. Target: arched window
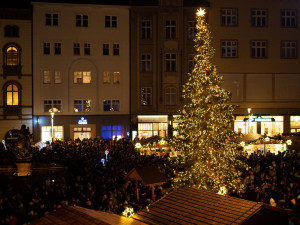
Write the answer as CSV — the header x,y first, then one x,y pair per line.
x,y
12,94
171,96
12,58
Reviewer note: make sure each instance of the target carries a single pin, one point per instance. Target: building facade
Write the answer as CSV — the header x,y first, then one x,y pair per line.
x,y
256,46
81,71
16,70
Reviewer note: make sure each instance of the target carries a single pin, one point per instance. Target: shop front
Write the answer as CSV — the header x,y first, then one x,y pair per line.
x,y
149,126
265,125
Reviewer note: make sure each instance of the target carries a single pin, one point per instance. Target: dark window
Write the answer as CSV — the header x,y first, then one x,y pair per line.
x,y
46,48
11,31
57,48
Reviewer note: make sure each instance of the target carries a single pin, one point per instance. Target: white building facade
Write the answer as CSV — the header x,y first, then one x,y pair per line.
x,y
81,71
16,70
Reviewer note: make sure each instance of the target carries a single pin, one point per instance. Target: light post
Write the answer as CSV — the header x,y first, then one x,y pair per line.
x,y
249,111
52,112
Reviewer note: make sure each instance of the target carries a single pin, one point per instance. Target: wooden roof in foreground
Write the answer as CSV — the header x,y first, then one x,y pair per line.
x,y
82,216
193,206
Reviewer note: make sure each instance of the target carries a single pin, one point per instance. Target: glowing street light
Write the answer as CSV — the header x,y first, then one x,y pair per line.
x,y
249,111
52,112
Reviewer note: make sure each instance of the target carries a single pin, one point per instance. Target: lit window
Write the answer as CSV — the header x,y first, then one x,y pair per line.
x,y
116,77
82,77
82,105
111,105
57,77
47,77
229,17
12,95
11,56
111,131
106,77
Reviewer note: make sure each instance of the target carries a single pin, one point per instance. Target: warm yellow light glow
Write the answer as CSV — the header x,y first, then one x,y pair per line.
x,y
201,12
138,145
242,143
128,212
289,142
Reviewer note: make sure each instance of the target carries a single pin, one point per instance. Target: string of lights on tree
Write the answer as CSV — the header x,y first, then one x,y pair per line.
x,y
210,160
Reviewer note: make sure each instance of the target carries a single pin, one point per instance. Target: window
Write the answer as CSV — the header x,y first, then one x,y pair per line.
x,y
82,77
57,77
12,95
171,62
258,17
105,49
288,18
106,105
82,105
47,77
51,19
11,31
229,17
191,62
146,29
258,49
229,48
111,131
171,94
288,49
170,29
106,77
116,77
116,50
58,132
146,62
87,49
76,48
146,96
11,56
46,48
192,30
52,104
57,48
111,105
111,21
82,20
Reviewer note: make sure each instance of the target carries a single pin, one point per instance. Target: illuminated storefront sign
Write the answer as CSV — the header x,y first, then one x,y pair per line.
x,y
259,119
82,121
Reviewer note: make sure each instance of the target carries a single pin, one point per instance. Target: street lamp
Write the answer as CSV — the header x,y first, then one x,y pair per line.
x,y
52,112
249,110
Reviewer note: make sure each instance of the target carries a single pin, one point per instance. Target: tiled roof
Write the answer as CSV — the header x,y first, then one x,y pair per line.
x,y
79,216
193,206
149,175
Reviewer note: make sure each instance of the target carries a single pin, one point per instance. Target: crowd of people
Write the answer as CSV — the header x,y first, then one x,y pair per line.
x,y
97,180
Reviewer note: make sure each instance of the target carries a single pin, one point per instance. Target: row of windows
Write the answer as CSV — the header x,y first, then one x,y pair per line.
x,y
81,77
82,105
81,20
288,49
146,96
77,49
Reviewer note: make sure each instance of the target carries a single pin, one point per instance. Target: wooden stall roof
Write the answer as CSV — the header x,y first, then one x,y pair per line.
x,y
79,216
193,206
149,175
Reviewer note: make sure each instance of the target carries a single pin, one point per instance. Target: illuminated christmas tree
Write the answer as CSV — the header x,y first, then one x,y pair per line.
x,y
209,159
